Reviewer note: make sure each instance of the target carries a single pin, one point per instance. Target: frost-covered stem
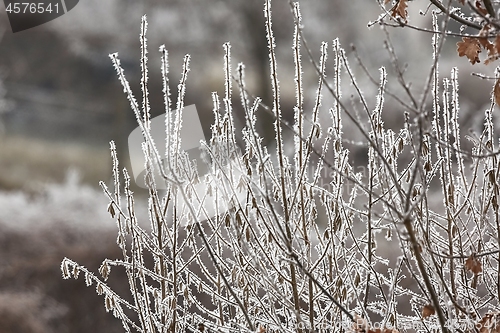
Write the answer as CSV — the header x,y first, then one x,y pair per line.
x,y
168,156
454,16
155,214
276,104
299,93
497,222
154,200
175,284
134,253
376,115
144,71
494,173
437,45
315,132
371,176
494,176
299,117
166,100
163,272
420,262
432,80
450,197
117,202
231,140
411,232
337,116
456,127
300,164
423,151
178,113
279,144
340,54
316,127
228,91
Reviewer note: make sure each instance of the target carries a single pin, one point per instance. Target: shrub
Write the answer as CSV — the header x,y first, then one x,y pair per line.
x,y
410,241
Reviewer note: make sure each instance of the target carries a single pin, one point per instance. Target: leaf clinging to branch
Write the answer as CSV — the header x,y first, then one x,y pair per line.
x,y
469,47
400,10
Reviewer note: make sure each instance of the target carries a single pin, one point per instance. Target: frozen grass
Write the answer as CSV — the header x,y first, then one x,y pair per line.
x,y
387,253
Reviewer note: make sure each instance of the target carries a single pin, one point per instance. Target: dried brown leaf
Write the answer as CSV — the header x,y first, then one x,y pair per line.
x,y
428,310
496,53
496,92
400,10
469,47
111,210
487,45
497,44
427,166
473,264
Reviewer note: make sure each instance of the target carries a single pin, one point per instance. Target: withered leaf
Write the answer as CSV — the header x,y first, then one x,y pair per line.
x,y
496,51
400,10
487,46
497,44
496,92
427,166
111,210
469,47
491,176
428,310
473,264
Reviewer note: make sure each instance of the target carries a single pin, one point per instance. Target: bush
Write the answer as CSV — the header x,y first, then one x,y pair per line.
x,y
410,240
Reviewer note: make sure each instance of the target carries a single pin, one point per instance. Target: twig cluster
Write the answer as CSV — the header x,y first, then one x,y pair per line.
x,y
295,256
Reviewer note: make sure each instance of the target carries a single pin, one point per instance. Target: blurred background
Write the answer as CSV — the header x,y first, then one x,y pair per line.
x,y
61,104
